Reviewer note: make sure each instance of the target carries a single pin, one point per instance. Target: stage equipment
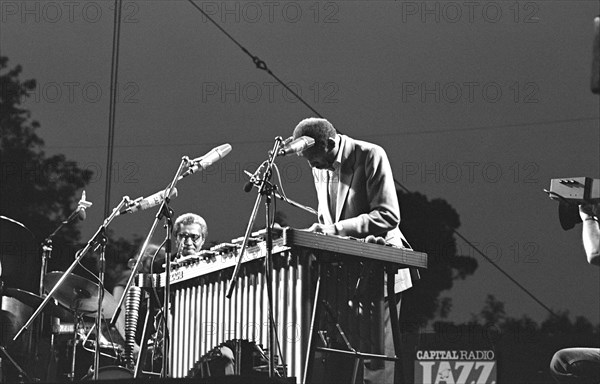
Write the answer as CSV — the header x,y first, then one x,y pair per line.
x,y
166,213
570,193
98,240
202,316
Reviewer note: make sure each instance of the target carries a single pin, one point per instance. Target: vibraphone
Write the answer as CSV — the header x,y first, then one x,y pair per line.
x,y
202,317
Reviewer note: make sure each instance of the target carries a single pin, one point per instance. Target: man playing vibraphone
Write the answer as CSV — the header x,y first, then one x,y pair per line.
x,y
356,197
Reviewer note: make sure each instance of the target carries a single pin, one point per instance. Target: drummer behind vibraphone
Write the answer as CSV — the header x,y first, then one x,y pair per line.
x,y
356,197
190,231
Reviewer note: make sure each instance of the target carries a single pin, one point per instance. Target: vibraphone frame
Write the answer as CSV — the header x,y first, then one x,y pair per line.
x,y
201,317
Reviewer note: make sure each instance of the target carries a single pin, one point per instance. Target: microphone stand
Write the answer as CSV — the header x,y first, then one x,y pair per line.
x,y
165,211
101,239
264,188
96,239
47,249
46,256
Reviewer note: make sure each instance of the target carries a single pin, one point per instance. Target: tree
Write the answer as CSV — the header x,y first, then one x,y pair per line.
x,y
35,189
522,348
429,227
493,312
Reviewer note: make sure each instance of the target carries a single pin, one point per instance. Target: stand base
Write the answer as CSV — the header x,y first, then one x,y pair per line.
x,y
16,376
340,366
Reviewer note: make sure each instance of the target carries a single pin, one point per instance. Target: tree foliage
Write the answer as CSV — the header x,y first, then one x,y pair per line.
x,y
429,227
523,348
36,189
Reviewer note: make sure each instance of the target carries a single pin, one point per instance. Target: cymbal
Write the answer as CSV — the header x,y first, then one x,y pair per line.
x,y
80,294
32,300
18,223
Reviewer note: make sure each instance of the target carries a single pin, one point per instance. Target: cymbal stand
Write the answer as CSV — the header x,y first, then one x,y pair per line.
x,y
23,377
47,244
76,338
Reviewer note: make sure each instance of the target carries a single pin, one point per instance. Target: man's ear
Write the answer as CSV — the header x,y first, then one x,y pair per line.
x,y
330,144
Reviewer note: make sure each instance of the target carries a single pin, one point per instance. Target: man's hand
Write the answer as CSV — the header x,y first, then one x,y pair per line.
x,y
375,239
591,232
322,228
586,211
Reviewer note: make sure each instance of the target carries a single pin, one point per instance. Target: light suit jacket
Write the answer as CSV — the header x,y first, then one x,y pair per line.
x,y
367,203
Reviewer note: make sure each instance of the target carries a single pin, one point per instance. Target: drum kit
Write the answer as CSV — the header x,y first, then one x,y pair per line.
x,y
39,354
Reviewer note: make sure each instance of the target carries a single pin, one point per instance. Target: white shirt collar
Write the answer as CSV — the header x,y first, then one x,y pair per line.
x,y
337,162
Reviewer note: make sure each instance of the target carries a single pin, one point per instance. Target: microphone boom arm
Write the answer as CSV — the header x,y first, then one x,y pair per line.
x,y
286,199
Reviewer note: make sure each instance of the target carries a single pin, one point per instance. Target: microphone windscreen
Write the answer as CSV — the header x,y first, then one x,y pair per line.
x,y
568,215
248,186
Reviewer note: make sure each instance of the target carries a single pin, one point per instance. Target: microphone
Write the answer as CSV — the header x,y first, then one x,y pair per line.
x,y
207,160
249,184
76,214
297,145
141,204
79,212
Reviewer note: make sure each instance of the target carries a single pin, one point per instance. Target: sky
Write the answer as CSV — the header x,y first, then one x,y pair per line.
x,y
477,103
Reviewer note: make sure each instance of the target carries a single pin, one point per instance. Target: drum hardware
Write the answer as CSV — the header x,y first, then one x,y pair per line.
x,y
117,350
18,305
32,300
150,344
78,213
23,377
77,349
55,311
80,296
78,333
111,373
234,357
